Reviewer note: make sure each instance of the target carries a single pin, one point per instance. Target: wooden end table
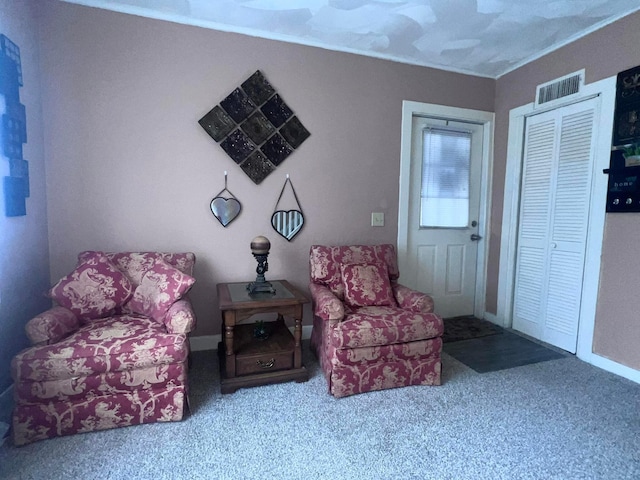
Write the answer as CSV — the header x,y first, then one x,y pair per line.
x,y
246,361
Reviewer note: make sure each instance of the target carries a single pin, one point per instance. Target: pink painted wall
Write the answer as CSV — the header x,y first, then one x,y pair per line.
x,y
24,262
129,168
603,54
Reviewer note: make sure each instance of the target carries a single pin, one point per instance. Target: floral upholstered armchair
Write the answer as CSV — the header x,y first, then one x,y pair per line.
x,y
369,332
112,352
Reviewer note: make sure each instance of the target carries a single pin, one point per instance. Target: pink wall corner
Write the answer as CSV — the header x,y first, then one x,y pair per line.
x,y
24,263
602,54
129,167
617,329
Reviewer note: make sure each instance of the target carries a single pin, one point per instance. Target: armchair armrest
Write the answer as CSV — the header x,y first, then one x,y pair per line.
x,y
413,300
51,326
180,317
325,304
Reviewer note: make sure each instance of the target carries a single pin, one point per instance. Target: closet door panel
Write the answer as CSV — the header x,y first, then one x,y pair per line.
x,y
533,229
570,213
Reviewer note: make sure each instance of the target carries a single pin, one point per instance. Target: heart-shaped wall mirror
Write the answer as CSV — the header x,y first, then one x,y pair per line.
x,y
287,224
225,209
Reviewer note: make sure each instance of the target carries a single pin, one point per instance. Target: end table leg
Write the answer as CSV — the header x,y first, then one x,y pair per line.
x,y
230,361
297,337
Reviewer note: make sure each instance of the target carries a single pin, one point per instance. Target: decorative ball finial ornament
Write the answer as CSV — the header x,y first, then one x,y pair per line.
x,y
260,247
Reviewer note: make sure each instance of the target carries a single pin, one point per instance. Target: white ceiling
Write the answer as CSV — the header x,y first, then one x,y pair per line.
x,y
481,37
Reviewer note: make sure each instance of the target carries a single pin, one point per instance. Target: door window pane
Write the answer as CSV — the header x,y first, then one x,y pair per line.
x,y
444,194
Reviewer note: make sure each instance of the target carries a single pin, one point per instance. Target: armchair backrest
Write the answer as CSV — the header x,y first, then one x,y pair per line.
x,y
325,261
135,264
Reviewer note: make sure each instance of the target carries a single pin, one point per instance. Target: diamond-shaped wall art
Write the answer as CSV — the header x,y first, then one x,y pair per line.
x,y
255,127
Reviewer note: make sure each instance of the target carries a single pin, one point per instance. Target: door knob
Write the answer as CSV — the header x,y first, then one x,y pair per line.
x,y
475,237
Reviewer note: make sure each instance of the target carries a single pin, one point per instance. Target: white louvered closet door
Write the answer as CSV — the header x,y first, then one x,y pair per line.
x,y
554,212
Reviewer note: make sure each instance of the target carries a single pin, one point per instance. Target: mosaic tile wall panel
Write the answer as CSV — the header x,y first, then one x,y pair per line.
x,y
14,130
255,127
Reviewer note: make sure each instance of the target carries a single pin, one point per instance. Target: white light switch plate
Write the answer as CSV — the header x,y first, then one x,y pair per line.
x,y
377,219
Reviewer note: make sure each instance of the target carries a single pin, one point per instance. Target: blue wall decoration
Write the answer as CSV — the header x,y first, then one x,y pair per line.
x,y
14,130
255,127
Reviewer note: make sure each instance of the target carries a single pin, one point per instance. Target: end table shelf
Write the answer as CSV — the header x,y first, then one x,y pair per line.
x,y
246,361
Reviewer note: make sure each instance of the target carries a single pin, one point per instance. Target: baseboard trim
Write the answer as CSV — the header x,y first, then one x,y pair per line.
x,y
210,342
204,342
8,391
491,318
594,359
614,367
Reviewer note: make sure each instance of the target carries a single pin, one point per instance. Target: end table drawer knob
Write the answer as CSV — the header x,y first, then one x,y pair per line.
x,y
266,365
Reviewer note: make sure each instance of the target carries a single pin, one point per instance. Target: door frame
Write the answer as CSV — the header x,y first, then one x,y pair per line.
x,y
487,120
606,89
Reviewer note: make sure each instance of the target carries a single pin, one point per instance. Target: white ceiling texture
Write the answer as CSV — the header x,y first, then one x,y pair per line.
x,y
480,37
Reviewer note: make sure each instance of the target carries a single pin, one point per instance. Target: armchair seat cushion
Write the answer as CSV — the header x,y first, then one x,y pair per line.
x,y
372,326
113,344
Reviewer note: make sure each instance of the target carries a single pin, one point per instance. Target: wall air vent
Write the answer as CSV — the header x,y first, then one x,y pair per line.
x,y
559,90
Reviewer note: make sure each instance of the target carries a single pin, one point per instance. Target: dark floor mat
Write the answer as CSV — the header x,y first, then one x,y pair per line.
x,y
464,328
500,352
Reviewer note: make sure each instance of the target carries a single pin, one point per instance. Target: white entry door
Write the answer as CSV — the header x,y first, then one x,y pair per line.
x,y
558,163
443,213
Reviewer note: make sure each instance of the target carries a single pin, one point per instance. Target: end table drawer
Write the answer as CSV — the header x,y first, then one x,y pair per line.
x,y
263,356
264,363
